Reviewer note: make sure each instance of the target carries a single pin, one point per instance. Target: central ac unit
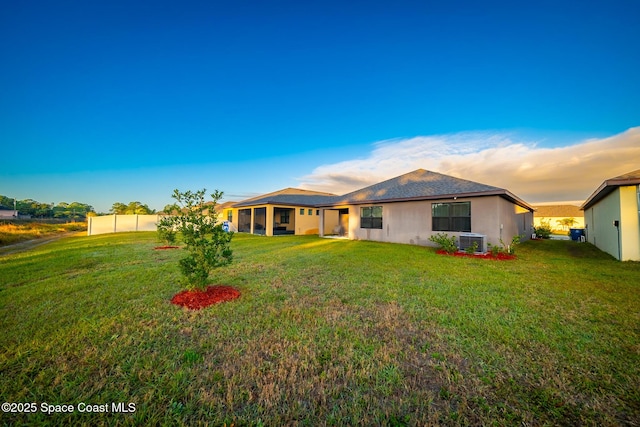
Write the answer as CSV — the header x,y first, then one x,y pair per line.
x,y
467,240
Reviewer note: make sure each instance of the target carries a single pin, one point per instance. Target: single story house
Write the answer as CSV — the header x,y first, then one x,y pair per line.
x,y
557,216
415,206
407,209
287,211
612,216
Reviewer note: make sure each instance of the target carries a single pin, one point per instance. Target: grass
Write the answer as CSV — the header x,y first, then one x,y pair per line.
x,y
326,332
18,231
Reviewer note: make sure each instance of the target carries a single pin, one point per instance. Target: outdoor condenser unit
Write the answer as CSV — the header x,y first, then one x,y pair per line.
x,y
467,239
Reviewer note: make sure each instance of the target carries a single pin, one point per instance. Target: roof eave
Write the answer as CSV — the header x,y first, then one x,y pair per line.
x,y
502,193
272,202
605,189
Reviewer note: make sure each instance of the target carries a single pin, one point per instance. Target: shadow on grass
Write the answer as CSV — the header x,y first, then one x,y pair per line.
x,y
569,248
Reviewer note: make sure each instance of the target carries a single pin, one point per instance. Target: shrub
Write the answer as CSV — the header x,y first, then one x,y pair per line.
x,y
166,233
504,248
472,249
511,249
446,242
543,231
494,249
207,243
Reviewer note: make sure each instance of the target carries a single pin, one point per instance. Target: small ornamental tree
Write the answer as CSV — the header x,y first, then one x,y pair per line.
x,y
208,245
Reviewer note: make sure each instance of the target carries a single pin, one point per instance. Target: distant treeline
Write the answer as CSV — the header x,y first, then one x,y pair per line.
x,y
35,209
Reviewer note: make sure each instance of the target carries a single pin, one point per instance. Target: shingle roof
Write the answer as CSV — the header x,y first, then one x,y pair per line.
x,y
422,184
417,185
288,197
631,178
552,211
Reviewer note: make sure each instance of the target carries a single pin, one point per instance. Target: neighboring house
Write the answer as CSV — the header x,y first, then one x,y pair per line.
x,y
556,214
413,207
8,214
225,213
288,211
612,216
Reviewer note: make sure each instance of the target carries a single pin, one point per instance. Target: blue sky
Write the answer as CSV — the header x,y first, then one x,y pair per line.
x,y
104,102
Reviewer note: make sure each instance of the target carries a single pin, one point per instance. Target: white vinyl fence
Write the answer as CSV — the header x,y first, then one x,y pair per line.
x,y
119,223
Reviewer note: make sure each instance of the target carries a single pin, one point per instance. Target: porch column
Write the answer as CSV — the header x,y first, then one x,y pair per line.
x,y
269,221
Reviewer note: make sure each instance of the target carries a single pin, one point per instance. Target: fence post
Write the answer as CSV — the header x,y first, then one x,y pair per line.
x,y
115,222
89,227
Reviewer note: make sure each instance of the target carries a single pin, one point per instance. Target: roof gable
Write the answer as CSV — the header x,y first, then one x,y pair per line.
x,y
287,196
555,211
417,184
631,178
422,184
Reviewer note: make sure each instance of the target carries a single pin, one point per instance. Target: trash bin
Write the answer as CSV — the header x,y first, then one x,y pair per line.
x,y
576,233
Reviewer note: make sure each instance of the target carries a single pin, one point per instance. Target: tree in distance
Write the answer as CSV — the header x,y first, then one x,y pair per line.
x,y
132,208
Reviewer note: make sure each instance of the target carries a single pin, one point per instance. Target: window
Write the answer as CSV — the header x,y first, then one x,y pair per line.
x,y
301,211
284,217
230,215
310,211
451,216
317,211
371,217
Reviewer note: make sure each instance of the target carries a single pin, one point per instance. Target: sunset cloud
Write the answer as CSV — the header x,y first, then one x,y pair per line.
x,y
537,174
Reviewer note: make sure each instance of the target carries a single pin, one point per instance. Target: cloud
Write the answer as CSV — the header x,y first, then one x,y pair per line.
x,y
537,174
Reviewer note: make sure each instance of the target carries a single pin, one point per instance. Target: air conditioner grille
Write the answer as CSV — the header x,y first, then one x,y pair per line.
x,y
467,241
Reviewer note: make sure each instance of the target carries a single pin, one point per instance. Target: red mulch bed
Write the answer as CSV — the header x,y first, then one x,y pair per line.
x,y
167,247
501,256
198,299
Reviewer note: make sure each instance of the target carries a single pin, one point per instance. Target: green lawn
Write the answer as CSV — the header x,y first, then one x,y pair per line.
x,y
326,332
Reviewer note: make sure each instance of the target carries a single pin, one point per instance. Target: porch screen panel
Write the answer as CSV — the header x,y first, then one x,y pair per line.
x,y
244,220
260,221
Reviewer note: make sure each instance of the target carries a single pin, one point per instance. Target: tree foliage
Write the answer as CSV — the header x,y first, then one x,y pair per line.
x,y
208,245
565,223
132,208
35,209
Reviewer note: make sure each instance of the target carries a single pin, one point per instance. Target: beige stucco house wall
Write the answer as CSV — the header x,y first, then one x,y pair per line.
x,y
612,217
411,222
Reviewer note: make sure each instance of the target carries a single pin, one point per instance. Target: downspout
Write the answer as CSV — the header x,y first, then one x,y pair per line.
x,y
616,224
